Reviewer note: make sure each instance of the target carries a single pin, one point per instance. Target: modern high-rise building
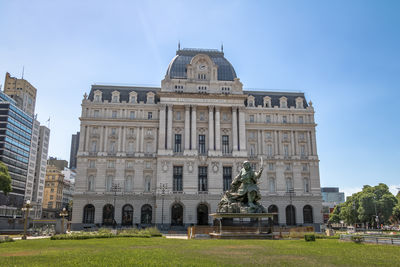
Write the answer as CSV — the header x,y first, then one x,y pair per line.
x,y
22,92
15,142
74,150
190,137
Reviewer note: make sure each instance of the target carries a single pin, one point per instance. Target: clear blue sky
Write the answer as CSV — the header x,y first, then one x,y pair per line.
x,y
343,54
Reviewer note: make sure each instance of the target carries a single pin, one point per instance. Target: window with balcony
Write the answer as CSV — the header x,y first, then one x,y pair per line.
x,y
93,146
269,150
202,144
226,178
178,143
271,185
114,114
178,179
132,115
91,183
301,119
149,115
306,185
225,144
147,184
286,150
112,148
109,183
251,118
289,184
131,147
128,183
284,119
302,150
268,119
202,179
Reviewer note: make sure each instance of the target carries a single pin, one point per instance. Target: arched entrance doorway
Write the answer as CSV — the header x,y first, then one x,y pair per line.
x,y
127,215
308,214
177,214
290,215
108,214
88,214
202,214
274,209
146,214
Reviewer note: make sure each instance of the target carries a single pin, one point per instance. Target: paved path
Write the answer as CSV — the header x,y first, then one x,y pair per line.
x,y
176,236
31,237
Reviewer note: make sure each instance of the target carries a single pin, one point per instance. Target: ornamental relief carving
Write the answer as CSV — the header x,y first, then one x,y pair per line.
x,y
215,166
190,166
164,166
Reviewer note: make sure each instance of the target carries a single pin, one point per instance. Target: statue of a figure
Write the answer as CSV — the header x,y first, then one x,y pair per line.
x,y
244,194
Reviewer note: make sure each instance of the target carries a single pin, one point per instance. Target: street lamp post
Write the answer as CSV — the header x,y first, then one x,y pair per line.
x,y
115,188
163,187
63,214
26,209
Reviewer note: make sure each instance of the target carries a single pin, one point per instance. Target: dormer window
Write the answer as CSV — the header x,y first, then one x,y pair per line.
x,y
97,96
299,102
133,97
267,102
283,102
115,97
150,98
250,101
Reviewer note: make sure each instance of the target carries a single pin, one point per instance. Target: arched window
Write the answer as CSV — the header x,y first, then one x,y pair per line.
x,y
271,184
146,214
202,214
177,214
127,215
274,209
290,215
91,183
308,214
108,214
88,214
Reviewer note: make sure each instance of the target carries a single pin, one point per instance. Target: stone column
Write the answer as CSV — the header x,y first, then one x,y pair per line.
x,y
296,143
210,128
234,129
217,129
292,143
101,140
276,152
142,139
82,137
314,143
261,143
309,143
123,139
194,128
87,134
138,141
242,129
169,128
187,127
120,139
161,135
105,137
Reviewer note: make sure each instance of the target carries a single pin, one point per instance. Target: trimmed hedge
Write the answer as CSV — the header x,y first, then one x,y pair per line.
x,y
106,233
6,239
309,237
357,239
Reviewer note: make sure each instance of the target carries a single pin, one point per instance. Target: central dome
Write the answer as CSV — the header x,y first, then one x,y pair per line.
x,y
177,66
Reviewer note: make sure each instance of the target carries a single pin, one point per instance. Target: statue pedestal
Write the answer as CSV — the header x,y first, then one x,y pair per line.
x,y
241,229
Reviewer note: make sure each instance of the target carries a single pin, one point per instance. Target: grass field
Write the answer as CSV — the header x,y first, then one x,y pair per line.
x,y
175,252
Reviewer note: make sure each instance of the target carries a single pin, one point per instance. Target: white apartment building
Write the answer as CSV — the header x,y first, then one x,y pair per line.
x,y
190,137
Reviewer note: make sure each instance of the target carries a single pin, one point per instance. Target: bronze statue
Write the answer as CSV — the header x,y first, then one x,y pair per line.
x,y
244,193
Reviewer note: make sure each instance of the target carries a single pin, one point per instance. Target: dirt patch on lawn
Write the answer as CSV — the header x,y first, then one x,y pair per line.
x,y
21,253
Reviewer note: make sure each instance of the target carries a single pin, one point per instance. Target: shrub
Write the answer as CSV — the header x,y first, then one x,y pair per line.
x,y
357,239
6,239
309,237
152,231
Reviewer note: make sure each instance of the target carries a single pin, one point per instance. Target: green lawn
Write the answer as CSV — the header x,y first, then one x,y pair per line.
x,y
175,252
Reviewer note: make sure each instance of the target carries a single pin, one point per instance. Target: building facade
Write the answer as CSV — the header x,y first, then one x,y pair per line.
x,y
15,142
166,155
53,192
22,92
74,150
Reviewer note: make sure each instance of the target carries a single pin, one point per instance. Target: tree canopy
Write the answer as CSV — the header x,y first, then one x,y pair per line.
x,y
372,205
5,179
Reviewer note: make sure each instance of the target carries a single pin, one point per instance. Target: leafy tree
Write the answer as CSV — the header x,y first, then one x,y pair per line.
x,y
334,217
396,209
5,179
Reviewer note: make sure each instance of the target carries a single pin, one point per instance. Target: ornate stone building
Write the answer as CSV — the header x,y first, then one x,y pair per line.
x,y
190,137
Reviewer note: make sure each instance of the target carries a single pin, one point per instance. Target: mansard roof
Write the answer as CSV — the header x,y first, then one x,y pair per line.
x,y
124,91
177,66
275,98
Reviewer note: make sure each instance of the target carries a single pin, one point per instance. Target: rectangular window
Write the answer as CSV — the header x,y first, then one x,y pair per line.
x,y
178,115
96,113
284,119
203,187
132,115
149,115
114,114
109,182
302,150
225,144
178,143
286,150
268,119
251,118
301,120
92,164
178,180
227,177
270,166
202,144
269,150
